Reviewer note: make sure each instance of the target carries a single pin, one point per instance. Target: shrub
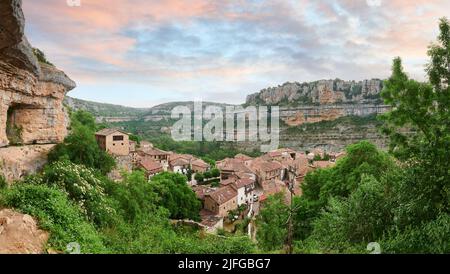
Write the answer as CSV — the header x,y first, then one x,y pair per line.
x,y
83,186
199,177
176,196
215,172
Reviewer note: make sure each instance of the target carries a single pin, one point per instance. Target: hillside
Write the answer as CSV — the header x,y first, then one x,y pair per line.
x,y
102,111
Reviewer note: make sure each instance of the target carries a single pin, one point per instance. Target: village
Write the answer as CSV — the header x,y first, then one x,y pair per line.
x,y
233,189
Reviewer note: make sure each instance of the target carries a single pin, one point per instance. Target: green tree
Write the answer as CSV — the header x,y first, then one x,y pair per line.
x,y
423,108
215,172
176,195
80,146
271,222
199,177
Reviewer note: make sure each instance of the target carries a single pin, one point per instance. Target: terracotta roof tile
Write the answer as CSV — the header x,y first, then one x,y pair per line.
x,y
223,194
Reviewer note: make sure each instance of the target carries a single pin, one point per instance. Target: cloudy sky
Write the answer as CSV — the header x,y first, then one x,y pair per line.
x,y
144,52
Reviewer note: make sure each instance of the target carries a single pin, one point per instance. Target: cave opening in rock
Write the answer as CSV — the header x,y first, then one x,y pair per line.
x,y
14,125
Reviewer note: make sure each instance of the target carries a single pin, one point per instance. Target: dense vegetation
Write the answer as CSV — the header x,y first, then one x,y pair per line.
x,y
357,123
400,200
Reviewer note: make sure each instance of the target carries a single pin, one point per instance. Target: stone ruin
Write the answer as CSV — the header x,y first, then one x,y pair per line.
x,y
31,92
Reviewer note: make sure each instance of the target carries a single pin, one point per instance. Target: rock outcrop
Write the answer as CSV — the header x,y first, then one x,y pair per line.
x,y
31,92
323,100
19,234
19,161
320,92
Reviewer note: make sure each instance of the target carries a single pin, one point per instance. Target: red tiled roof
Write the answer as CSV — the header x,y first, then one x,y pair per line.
x,y
242,157
234,165
179,162
200,163
201,191
244,182
109,131
209,218
156,152
150,165
223,194
269,166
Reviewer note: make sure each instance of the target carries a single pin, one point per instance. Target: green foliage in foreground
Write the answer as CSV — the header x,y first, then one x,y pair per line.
x,y
109,217
57,214
176,196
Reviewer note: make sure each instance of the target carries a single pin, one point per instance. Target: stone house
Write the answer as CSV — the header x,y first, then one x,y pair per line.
x,y
199,166
267,170
230,167
180,163
113,141
244,187
158,155
151,167
221,201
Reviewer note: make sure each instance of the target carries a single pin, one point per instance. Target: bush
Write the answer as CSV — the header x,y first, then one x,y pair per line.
x,y
207,174
199,177
83,186
41,56
176,196
215,172
3,183
56,214
428,238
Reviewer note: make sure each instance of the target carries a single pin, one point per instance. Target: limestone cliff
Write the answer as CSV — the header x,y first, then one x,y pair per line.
x,y
323,100
31,93
319,92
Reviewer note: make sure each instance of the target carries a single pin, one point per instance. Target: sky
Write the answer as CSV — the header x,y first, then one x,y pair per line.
x,y
142,53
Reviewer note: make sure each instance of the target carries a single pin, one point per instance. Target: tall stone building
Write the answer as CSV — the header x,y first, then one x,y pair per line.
x,y
113,141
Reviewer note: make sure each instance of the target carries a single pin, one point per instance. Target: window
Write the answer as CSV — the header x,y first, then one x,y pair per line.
x,y
118,138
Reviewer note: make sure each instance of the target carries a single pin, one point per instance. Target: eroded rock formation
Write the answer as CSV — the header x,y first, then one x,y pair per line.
x,y
320,92
19,234
31,92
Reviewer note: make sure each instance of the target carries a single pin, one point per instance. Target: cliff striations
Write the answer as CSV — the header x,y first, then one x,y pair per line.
x,y
31,95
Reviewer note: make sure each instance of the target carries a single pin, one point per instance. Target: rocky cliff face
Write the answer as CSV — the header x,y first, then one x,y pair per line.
x,y
323,100
19,234
320,92
31,93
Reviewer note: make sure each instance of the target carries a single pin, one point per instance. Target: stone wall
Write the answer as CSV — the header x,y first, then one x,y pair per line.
x,y
31,92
